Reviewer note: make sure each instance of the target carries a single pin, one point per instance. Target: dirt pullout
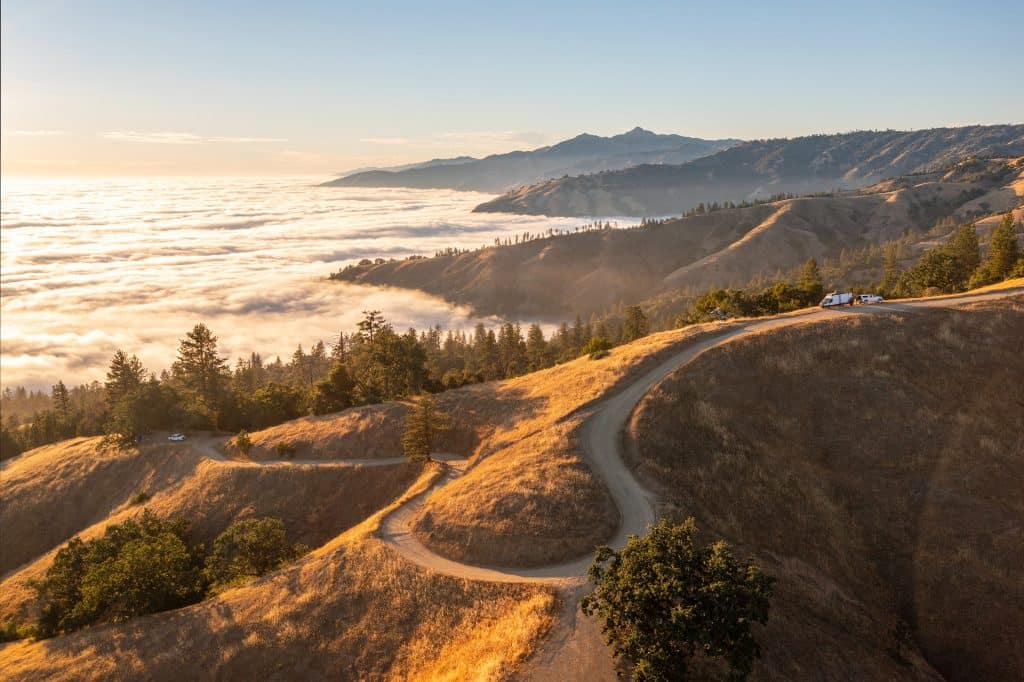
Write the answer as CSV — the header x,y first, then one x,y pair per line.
x,y
874,465
50,493
350,610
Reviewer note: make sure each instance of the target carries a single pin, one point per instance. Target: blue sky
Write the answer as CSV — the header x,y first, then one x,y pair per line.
x,y
259,87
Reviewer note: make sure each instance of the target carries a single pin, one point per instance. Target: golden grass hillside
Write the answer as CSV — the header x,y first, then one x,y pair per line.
x,y
50,493
366,432
531,499
350,610
874,464
316,503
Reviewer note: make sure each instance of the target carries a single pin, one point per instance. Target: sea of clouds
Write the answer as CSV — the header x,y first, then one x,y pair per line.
x,y
90,266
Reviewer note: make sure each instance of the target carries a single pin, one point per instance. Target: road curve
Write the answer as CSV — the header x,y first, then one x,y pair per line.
x,y
600,438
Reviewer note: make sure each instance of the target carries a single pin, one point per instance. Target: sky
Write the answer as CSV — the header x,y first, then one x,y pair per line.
x,y
94,88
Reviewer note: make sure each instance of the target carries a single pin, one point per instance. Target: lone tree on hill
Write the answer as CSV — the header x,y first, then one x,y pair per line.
x,y
421,428
663,599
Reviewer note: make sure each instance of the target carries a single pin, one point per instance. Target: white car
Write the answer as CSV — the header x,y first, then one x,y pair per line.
x,y
176,437
836,299
869,298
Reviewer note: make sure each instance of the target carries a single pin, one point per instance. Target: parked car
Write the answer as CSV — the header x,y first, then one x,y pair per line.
x,y
869,298
176,437
837,298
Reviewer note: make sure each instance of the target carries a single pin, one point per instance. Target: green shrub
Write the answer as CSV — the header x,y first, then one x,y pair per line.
x,y
136,567
140,498
243,442
12,631
285,450
663,599
248,549
597,346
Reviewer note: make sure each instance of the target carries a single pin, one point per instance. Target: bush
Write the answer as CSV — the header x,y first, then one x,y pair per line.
x,y
11,632
663,599
140,498
285,450
243,442
248,549
596,345
136,567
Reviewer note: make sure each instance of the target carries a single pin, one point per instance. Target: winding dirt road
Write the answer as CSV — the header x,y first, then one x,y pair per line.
x,y
601,436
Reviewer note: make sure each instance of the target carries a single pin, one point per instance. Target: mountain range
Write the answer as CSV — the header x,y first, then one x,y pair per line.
x,y
500,172
594,270
760,168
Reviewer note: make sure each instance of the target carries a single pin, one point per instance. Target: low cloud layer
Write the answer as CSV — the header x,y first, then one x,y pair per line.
x,y
92,266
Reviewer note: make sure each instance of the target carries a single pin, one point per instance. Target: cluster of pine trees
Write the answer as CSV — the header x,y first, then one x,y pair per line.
x,y
372,364
957,265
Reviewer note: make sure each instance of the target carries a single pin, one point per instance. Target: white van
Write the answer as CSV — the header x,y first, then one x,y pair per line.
x,y
837,298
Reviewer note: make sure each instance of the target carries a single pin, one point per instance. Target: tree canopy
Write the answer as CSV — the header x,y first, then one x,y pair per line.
x,y
664,599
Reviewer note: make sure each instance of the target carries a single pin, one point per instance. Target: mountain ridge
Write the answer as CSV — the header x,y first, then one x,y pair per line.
x,y
760,168
584,153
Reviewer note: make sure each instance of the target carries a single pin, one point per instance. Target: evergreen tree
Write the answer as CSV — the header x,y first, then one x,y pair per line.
x,y
810,282
1002,250
536,349
422,426
636,324
335,392
61,401
963,247
125,375
199,368
890,267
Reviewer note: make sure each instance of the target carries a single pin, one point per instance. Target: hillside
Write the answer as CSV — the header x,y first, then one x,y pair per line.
x,y
499,172
593,270
759,169
530,493
875,471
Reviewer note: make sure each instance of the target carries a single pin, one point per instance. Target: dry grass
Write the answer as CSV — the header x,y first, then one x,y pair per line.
x,y
315,504
531,499
346,611
359,433
52,492
874,464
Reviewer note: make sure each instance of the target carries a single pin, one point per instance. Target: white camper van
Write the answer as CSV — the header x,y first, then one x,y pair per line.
x,y
837,298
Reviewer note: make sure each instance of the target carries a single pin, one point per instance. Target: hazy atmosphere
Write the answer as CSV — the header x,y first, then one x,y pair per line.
x,y
90,266
320,87
511,342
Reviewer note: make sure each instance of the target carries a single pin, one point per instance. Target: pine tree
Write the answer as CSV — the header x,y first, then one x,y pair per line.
x,y
125,375
963,247
890,267
199,368
636,325
1002,250
61,401
536,349
810,281
421,429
